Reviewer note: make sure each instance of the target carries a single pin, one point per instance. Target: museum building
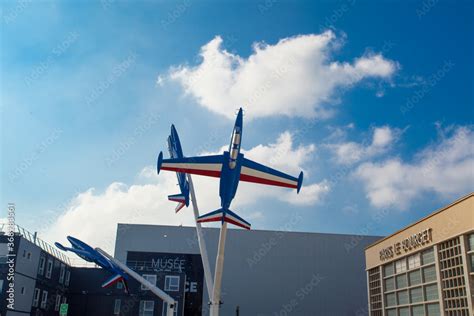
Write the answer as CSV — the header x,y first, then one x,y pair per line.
x,y
426,268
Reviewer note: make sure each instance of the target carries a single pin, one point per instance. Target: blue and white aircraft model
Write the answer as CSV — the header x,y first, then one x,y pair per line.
x,y
231,167
89,254
176,152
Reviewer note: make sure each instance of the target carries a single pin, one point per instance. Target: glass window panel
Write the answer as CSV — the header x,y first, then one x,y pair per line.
x,y
433,309
416,295
402,297
391,312
471,241
418,310
390,300
472,262
402,281
388,269
431,292
414,277
401,265
389,284
404,311
414,261
428,256
429,274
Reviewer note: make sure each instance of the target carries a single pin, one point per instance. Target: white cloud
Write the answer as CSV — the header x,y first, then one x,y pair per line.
x,y
351,152
93,216
445,168
294,77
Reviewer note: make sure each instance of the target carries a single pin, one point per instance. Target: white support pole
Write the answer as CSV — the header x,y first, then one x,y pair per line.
x,y
216,295
201,241
158,292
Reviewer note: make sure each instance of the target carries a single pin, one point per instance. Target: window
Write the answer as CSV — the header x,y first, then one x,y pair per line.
x,y
472,261
49,269
416,295
400,266
172,283
414,261
1,286
402,281
404,311
429,274
470,241
68,278
389,284
41,266
150,278
36,298
390,300
58,302
391,312
433,309
431,292
402,297
62,273
388,269
44,299
146,308
418,310
117,307
28,256
165,307
414,277
428,256
119,285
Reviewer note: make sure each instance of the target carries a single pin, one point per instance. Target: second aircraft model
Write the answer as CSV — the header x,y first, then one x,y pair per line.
x,y
231,167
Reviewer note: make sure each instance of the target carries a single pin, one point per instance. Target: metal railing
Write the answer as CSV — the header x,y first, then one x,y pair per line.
x,y
33,238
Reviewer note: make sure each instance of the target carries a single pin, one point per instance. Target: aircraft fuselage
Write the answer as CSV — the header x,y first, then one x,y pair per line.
x,y
230,173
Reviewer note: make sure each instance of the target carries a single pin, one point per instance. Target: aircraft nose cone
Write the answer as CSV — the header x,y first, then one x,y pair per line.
x,y
72,240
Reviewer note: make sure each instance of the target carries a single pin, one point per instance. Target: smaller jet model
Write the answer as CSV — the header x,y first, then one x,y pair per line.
x,y
89,254
231,167
175,150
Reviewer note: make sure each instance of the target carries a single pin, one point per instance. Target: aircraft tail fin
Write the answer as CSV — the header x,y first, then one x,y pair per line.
x,y
182,200
114,279
60,246
222,215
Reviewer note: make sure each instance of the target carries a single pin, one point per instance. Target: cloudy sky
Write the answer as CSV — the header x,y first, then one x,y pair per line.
x,y
373,100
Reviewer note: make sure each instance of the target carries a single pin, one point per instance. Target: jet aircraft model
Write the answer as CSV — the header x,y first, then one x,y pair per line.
x,y
89,254
231,167
174,147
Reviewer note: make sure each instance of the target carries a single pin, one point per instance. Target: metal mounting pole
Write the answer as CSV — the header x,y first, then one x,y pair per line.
x,y
201,241
158,292
216,295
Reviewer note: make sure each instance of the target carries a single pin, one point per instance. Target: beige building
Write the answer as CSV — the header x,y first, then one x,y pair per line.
x,y
426,268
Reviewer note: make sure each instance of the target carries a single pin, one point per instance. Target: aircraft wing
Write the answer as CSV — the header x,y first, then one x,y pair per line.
x,y
254,172
210,166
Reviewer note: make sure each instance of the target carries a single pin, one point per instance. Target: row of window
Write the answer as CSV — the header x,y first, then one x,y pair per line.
x,y
412,278
64,276
417,310
409,263
171,282
146,308
414,295
44,300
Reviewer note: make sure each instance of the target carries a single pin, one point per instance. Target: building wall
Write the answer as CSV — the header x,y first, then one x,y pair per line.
x,y
28,278
426,268
270,272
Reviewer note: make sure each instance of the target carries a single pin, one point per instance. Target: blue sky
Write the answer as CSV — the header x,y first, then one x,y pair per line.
x,y
79,84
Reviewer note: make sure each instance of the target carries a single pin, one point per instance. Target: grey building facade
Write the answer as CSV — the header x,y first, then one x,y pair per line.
x,y
265,272
40,275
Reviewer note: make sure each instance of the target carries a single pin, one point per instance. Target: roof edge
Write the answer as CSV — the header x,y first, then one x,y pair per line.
x,y
459,200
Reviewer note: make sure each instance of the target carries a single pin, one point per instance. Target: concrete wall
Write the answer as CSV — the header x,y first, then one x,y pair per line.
x,y
270,272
